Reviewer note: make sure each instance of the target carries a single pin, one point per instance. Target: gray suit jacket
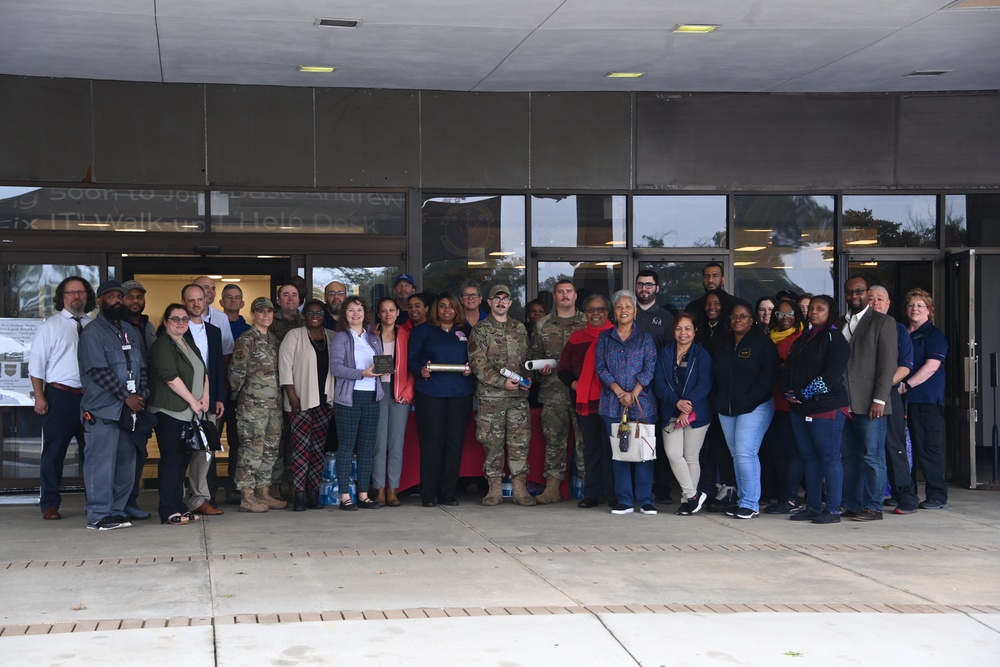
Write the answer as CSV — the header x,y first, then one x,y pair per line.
x,y
873,360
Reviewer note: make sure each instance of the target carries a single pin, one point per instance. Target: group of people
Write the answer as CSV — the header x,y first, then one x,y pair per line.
x,y
751,404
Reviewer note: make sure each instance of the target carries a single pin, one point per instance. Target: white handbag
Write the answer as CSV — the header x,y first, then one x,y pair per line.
x,y
633,442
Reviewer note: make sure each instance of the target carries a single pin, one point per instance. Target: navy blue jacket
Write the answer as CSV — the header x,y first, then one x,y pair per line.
x,y
697,385
218,386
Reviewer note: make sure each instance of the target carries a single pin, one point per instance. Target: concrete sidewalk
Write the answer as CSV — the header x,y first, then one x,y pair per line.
x,y
507,585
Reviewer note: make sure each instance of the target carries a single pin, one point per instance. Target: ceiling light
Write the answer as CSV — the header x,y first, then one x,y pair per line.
x,y
315,69
93,224
477,263
231,280
130,230
695,28
751,248
338,23
501,254
762,231
863,242
190,226
617,244
869,263
744,263
609,264
624,75
215,277
782,267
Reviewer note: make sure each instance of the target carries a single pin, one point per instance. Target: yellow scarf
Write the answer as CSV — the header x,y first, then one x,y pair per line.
x,y
778,336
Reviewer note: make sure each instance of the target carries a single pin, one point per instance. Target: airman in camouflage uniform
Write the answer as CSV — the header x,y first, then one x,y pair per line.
x,y
253,376
558,412
503,417
286,318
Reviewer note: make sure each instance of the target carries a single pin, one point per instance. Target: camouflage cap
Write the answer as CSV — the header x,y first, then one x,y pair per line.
x,y
260,303
499,289
130,285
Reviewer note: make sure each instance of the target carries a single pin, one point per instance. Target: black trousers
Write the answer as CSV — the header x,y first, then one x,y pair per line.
x,y
599,481
716,460
174,461
897,466
926,422
441,426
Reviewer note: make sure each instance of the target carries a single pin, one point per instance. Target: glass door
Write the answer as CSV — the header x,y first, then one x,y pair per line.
x,y
590,275
28,282
681,278
369,276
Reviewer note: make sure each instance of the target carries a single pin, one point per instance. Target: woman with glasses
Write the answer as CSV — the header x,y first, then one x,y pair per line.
x,y
781,462
443,399
472,303
746,368
624,361
304,369
178,391
923,392
578,372
394,408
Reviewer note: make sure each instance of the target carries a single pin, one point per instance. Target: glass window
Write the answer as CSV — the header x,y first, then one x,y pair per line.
x,y
371,283
474,238
679,221
101,210
890,221
897,277
367,213
680,282
29,289
589,277
971,220
783,242
577,221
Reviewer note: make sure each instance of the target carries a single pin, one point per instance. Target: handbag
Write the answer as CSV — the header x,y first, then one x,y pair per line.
x,y
201,435
633,442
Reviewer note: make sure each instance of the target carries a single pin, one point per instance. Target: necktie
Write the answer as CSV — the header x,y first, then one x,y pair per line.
x,y
79,325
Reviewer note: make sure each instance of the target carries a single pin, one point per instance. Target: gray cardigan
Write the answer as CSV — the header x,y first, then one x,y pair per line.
x,y
342,366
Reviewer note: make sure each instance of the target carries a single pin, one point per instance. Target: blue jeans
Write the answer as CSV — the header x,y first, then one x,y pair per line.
x,y
623,471
819,442
863,456
744,434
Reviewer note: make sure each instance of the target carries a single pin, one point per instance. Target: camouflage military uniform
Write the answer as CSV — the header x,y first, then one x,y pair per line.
x,y
558,411
280,326
253,375
503,415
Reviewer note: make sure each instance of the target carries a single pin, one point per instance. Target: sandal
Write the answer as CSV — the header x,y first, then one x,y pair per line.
x,y
175,520
348,506
191,516
368,504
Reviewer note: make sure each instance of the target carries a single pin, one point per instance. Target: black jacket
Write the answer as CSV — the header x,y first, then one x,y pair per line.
x,y
745,374
815,370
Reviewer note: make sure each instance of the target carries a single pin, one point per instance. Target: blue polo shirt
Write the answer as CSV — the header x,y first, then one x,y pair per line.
x,y
433,344
928,343
904,345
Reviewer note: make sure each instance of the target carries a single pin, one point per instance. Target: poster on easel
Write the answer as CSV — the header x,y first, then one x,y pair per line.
x,y
16,335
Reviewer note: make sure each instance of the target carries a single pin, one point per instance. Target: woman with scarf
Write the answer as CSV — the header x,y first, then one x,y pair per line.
x,y
576,370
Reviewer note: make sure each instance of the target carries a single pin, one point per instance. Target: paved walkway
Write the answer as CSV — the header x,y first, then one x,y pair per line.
x,y
502,586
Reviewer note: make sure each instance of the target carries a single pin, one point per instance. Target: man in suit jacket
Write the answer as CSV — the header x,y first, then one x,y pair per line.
x,y
208,339
872,336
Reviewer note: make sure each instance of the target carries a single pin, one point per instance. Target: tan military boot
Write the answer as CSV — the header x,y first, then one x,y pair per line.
x,y
551,494
264,496
521,495
495,495
249,502
379,497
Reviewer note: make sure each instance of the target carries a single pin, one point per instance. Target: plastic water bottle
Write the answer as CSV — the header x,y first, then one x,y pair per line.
x,y
353,491
354,467
576,487
330,466
328,493
507,488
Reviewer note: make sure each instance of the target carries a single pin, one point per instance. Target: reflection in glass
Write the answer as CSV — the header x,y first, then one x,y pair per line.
x,y
474,238
680,282
890,221
588,278
368,213
30,288
679,221
577,221
371,283
897,277
100,210
971,220
783,242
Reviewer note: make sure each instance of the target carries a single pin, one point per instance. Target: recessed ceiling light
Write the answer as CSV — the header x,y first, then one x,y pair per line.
x,y
130,229
696,28
751,248
928,72
338,23
768,231
863,242
93,224
500,253
624,75
315,69
476,263
744,263
231,280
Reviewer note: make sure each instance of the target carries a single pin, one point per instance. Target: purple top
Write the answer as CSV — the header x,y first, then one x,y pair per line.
x,y
626,363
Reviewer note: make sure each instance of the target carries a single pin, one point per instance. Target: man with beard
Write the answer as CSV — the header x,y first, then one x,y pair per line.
x,y
712,278
334,295
55,378
134,303
113,371
403,287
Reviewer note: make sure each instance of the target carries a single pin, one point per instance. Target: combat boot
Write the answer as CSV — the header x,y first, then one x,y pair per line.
x,y
551,494
249,502
521,495
391,499
495,495
265,498
275,492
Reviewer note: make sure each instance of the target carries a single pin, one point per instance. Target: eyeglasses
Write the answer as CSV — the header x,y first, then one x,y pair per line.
x,y
313,313
784,316
76,292
916,306
179,320
500,299
645,285
857,292
471,296
740,316
594,311
340,293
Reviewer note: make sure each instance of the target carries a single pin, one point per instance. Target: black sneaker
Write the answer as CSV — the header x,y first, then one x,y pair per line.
x,y
889,502
648,509
827,517
697,502
933,505
621,509
782,507
805,515
124,521
106,523
725,501
741,513
684,509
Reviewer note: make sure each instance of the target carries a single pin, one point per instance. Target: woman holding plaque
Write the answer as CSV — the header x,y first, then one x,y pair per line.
x,y
438,357
394,408
356,398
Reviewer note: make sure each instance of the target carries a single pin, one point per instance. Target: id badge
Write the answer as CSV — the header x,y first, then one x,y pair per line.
x,y
130,385
126,348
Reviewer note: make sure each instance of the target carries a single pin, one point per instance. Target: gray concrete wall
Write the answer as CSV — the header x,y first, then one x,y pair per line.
x,y
61,130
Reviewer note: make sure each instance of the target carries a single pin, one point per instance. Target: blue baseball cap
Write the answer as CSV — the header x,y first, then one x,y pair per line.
x,y
404,276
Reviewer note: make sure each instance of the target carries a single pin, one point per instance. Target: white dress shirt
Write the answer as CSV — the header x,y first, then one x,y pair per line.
x,y
53,355
219,319
852,323
200,339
